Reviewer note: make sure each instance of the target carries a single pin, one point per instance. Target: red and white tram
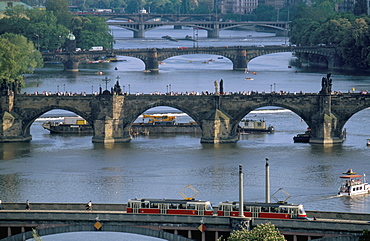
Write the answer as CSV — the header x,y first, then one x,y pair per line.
x,y
169,206
262,210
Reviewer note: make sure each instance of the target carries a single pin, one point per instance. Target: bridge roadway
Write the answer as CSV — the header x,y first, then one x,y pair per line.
x,y
51,218
239,55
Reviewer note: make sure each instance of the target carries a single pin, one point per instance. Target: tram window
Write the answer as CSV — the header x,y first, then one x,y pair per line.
x,y
265,209
283,210
274,210
247,209
181,207
190,206
153,205
236,208
173,206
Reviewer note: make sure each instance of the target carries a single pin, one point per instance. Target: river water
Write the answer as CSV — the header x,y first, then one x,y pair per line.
x,y
65,168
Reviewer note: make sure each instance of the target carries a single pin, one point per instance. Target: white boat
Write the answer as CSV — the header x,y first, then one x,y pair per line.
x,y
353,184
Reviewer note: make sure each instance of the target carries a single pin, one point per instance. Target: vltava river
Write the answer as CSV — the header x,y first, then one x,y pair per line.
x,y
65,168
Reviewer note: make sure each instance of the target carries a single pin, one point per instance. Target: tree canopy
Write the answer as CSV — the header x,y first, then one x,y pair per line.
x,y
318,24
262,232
18,56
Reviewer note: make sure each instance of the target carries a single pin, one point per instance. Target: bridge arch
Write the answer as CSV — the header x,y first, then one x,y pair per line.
x,y
296,110
105,228
29,121
142,109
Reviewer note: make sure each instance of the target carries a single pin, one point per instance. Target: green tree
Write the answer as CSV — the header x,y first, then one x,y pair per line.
x,y
94,31
18,56
60,10
262,232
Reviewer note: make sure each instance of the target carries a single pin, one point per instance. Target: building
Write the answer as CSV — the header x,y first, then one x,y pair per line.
x,y
5,4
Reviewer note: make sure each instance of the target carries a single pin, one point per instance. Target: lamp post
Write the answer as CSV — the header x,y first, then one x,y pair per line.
x,y
38,42
170,87
64,88
57,88
92,89
167,88
129,90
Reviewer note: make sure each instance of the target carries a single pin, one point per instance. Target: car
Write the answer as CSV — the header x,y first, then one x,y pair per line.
x,y
183,48
320,45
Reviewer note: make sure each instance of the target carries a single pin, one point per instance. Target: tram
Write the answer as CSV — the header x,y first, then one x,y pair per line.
x,y
262,210
170,206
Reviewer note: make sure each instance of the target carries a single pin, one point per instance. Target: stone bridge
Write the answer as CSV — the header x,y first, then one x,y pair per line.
x,y
239,55
217,115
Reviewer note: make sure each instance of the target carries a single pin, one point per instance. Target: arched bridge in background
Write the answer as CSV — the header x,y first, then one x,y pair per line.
x,y
212,23
213,28
239,55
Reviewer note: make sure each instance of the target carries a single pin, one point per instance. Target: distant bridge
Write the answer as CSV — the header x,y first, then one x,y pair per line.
x,y
239,55
213,28
16,224
139,23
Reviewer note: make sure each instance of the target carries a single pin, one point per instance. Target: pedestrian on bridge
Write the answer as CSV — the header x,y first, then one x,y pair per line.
x,y
28,207
89,206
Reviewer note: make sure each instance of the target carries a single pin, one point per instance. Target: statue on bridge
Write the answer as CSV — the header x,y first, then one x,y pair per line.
x,y
216,87
7,87
326,84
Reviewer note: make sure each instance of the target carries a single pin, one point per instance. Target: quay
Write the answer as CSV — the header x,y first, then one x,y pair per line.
x,y
16,223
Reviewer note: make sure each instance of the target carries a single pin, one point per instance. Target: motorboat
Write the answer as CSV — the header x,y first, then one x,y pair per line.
x,y
354,184
303,138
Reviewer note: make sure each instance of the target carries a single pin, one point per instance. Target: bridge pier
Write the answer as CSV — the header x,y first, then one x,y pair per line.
x,y
325,126
71,66
215,32
12,128
108,122
152,63
241,62
217,128
140,33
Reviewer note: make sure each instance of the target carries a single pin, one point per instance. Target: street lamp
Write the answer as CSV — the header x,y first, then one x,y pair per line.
x,y
38,42
129,90
64,87
58,88
92,89
170,87
167,88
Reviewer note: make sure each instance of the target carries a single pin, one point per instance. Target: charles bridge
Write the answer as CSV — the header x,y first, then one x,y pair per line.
x,y
217,114
239,55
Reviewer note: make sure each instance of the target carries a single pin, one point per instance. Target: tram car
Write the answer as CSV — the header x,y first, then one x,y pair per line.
x,y
169,206
262,210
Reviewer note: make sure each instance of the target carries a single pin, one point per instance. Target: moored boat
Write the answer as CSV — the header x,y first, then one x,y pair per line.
x,y
253,126
303,138
354,184
70,125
